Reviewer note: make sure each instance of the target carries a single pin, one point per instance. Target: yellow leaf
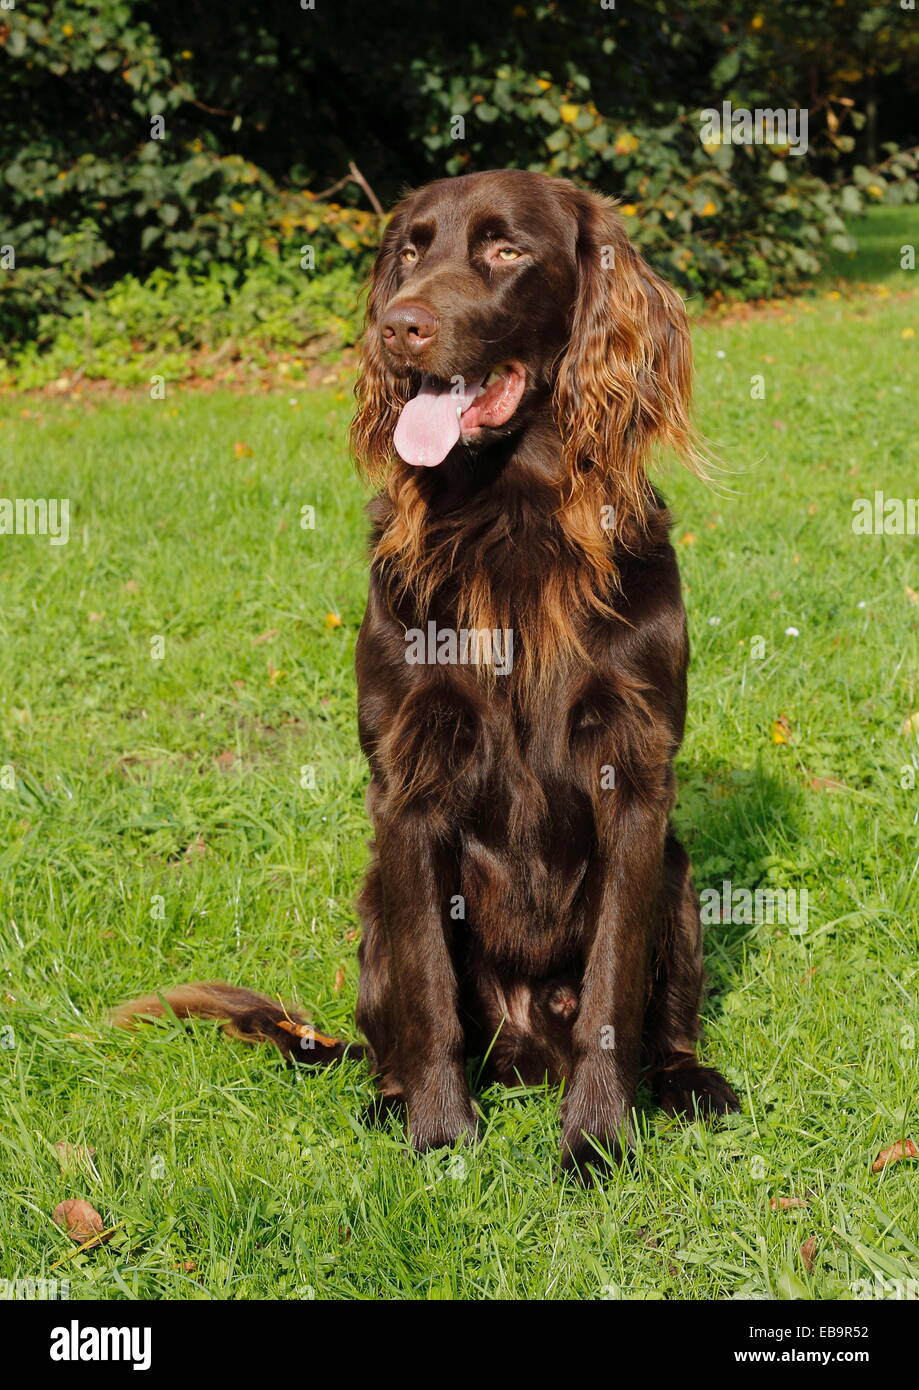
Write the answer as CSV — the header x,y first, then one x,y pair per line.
x,y
709,210
625,144
332,620
569,113
911,723
781,730
629,210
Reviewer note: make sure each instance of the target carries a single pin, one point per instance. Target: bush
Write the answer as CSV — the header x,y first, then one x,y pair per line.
x,y
185,137
177,324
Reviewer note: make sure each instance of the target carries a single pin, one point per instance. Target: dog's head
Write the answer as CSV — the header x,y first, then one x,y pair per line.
x,y
498,297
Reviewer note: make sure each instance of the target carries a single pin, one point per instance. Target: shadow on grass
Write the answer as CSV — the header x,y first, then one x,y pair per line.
x,y
733,822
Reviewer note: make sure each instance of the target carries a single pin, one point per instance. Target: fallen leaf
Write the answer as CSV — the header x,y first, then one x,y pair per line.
x,y
274,675
786,1203
911,594
81,1221
808,1251
332,620
827,784
903,1148
781,730
94,617
265,636
339,980
196,849
131,585
186,1266
226,759
242,450
911,723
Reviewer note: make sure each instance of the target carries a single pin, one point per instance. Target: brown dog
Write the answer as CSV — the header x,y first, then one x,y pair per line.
x,y
521,673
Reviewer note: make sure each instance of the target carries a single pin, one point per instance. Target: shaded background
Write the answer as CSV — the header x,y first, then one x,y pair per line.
x,y
266,108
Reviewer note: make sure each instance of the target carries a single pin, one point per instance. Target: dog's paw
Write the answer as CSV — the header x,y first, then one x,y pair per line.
x,y
442,1133
595,1137
589,1156
438,1118
694,1091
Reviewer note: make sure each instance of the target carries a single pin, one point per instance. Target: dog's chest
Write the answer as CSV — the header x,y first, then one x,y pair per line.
x,y
525,841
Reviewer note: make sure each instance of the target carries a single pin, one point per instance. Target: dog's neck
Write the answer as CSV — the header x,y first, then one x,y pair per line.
x,y
502,538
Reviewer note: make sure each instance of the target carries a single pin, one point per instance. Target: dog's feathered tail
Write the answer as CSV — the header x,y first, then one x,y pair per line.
x,y
245,1015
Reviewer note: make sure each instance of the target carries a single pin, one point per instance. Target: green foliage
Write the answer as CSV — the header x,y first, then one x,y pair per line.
x,y
144,136
176,323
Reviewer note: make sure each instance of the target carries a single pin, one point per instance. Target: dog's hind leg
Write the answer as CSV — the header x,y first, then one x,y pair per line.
x,y
680,1084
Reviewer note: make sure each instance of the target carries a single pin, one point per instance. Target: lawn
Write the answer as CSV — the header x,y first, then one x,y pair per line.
x,y
192,807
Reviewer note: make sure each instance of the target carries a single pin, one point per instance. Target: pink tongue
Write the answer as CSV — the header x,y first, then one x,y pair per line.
x,y
429,424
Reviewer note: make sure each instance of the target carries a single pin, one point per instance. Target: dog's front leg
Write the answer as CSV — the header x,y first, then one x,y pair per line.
x,y
622,904
416,871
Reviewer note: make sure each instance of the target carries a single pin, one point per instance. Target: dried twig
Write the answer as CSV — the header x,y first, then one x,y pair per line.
x,y
353,175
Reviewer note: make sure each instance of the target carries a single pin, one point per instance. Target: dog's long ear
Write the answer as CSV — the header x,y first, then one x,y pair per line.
x,y
625,381
380,397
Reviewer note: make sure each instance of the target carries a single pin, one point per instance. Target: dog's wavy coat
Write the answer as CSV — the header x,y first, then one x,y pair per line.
x,y
526,901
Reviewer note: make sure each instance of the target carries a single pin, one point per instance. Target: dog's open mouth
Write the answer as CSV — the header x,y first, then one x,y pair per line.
x,y
435,419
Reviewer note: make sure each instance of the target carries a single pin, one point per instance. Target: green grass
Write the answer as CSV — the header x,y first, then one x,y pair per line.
x,y
157,831
880,234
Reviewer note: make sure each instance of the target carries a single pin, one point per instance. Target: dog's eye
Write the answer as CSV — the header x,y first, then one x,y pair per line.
x,y
409,255
508,253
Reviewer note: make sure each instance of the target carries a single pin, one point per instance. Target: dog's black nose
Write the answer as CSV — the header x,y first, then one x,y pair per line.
x,y
408,329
